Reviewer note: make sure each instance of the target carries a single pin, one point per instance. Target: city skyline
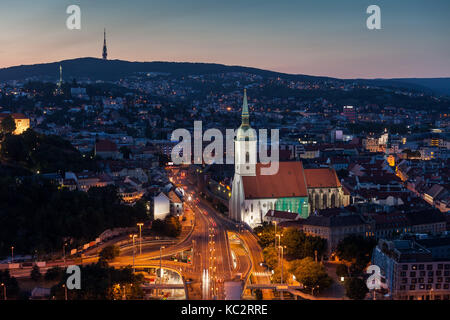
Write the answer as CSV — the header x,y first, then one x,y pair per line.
x,y
324,39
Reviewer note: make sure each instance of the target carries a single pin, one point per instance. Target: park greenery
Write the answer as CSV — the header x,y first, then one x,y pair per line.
x,y
299,253
32,219
109,253
170,226
54,273
41,153
99,281
35,273
13,289
356,251
7,126
298,244
311,274
355,288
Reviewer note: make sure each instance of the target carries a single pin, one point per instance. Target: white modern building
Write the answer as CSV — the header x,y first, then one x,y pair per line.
x,y
161,206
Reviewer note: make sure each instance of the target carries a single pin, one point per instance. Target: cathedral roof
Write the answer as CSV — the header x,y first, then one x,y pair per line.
x,y
290,181
322,178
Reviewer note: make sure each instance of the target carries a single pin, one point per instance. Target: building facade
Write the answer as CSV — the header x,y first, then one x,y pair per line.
x,y
411,271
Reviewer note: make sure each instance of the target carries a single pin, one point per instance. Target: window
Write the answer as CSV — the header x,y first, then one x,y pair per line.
x,y
414,267
412,274
429,267
430,273
422,287
439,273
438,285
412,287
440,279
440,266
405,267
414,280
421,266
247,157
316,201
402,287
422,273
403,274
446,286
447,267
404,280
430,280
421,280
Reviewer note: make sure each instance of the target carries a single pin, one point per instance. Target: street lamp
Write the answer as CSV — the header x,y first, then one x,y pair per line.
x,y
275,223
140,224
160,264
281,262
279,239
64,253
4,290
65,291
12,254
133,236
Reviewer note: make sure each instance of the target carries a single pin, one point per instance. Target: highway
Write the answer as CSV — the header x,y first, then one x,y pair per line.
x,y
212,262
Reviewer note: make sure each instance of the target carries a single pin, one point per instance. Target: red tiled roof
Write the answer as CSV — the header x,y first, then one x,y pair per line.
x,y
13,115
105,146
174,197
322,178
288,182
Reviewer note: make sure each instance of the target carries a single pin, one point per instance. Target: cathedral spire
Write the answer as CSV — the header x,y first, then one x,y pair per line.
x,y
245,115
105,50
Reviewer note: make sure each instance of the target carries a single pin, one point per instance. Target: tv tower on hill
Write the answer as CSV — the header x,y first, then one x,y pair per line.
x,y
105,50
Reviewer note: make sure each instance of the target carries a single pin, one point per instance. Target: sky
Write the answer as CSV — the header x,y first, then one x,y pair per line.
x,y
314,37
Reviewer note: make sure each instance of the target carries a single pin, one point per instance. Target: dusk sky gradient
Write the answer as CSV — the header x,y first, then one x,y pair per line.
x,y
317,37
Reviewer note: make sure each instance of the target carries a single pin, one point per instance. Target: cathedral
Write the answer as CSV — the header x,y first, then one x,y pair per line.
x,y
291,189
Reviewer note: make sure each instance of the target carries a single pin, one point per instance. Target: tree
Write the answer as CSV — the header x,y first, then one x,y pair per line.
x,y
270,257
35,273
342,270
266,235
356,249
311,274
8,125
158,226
109,253
172,227
355,288
55,273
11,283
299,245
99,281
36,204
